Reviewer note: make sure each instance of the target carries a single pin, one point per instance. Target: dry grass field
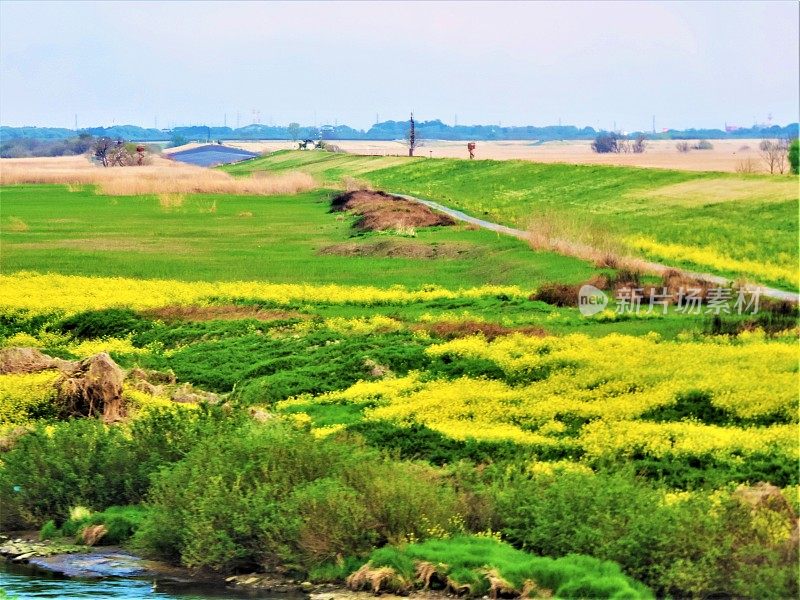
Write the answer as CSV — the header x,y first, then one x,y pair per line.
x,y
727,155
163,177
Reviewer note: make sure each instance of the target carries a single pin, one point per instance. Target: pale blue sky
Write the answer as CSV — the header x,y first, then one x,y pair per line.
x,y
691,64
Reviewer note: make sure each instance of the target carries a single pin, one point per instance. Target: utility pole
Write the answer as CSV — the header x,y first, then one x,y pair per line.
x,y
76,121
654,124
225,120
412,137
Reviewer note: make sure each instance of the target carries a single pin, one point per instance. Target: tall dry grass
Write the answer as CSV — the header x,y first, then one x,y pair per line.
x,y
162,177
580,237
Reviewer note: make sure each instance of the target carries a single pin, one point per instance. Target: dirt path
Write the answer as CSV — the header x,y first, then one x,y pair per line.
x,y
580,250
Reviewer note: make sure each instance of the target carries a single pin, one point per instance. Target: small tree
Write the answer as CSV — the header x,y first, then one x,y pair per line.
x,y
605,143
639,144
774,153
683,147
794,156
102,147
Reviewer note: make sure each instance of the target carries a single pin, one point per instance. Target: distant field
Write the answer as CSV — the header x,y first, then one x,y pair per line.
x,y
726,155
733,225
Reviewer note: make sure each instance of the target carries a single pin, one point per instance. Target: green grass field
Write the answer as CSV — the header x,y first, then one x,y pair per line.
x,y
273,238
732,225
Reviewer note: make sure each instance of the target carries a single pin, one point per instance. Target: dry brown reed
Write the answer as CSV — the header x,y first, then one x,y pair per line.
x,y
162,177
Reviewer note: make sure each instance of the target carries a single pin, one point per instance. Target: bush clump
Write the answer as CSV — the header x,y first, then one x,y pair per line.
x,y
273,495
119,523
680,544
477,566
88,463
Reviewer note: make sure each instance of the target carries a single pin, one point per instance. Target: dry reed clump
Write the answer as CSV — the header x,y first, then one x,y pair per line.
x,y
746,165
583,240
377,579
353,184
429,573
170,201
91,534
162,177
498,586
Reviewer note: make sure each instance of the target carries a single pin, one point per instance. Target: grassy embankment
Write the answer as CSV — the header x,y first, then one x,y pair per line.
x,y
732,225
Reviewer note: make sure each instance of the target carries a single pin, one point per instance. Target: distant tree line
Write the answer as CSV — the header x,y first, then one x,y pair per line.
x,y
23,147
387,130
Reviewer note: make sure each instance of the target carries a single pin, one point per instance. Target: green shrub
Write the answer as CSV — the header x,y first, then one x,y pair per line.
x,y
120,521
269,494
794,156
49,531
691,547
76,462
84,462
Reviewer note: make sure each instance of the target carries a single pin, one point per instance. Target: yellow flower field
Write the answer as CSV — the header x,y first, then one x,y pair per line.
x,y
607,384
44,293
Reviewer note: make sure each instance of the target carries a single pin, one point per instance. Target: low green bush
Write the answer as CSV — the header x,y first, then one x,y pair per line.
x,y
696,545
85,462
481,565
121,522
111,322
269,494
419,442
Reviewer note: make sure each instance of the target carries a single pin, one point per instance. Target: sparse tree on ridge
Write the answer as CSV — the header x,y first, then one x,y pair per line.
x,y
101,149
775,154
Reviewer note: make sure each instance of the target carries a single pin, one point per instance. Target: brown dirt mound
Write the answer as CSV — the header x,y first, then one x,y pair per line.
x,y
226,312
401,249
93,388
30,360
380,211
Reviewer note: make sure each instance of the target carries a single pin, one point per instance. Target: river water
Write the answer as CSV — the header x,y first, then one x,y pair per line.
x,y
23,582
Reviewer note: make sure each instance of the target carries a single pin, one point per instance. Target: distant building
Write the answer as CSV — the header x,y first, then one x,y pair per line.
x,y
212,155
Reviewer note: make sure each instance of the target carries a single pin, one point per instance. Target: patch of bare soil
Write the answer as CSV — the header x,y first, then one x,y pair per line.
x,y
401,249
449,330
226,312
380,211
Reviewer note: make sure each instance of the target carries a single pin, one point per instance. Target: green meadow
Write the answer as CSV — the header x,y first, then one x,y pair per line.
x,y
275,238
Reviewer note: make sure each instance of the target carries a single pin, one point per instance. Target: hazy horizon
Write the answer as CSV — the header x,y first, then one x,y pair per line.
x,y
169,64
